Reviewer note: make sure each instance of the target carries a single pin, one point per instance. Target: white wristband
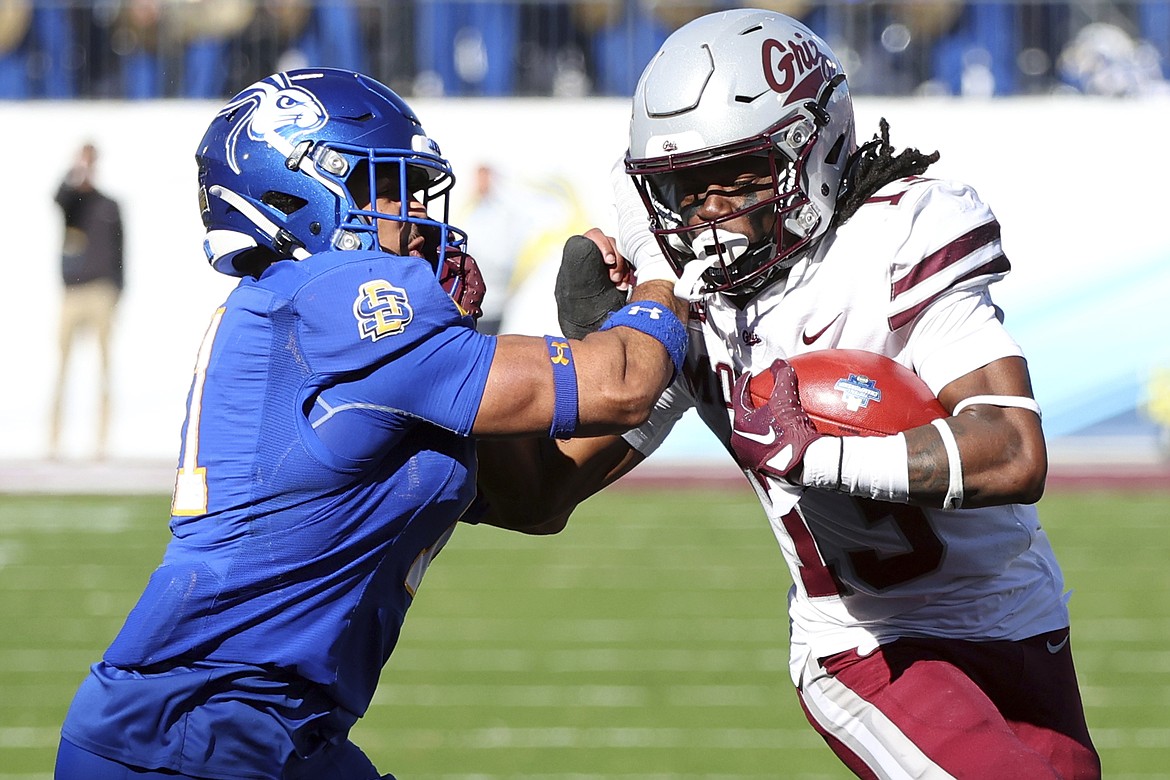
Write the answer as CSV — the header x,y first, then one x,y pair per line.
x,y
954,499
869,466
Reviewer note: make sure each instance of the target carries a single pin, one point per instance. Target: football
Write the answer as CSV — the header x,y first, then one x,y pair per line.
x,y
851,392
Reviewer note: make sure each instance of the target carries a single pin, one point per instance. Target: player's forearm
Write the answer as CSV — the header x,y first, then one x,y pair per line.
x,y
990,460
534,485
513,477
661,292
991,452
1001,460
631,360
643,354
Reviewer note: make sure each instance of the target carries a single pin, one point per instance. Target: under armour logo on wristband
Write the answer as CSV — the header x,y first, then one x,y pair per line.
x,y
560,358
653,311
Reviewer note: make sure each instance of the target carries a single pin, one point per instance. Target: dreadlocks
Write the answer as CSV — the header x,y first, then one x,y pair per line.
x,y
873,167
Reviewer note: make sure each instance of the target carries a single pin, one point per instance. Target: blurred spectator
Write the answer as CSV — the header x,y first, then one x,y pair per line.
x,y
92,271
909,34
493,219
177,47
267,43
288,34
466,48
136,42
203,29
551,59
626,34
1104,60
36,47
978,57
328,34
1154,24
388,42
15,21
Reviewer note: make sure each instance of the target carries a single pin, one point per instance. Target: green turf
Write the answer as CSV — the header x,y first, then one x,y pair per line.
x,y
648,640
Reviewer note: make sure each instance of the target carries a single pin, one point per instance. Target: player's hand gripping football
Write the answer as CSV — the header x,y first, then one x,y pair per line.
x,y
773,436
461,278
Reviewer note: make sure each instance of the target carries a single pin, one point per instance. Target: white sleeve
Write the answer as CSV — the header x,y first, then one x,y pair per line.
x,y
959,333
635,242
671,406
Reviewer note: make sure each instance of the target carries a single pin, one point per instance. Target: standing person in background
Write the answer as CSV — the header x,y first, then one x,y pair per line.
x,y
929,625
495,223
93,271
329,448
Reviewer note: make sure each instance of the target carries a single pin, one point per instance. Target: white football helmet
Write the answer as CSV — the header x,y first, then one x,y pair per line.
x,y
733,84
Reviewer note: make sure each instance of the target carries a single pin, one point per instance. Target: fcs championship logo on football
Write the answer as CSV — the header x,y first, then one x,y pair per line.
x,y
277,113
381,309
857,391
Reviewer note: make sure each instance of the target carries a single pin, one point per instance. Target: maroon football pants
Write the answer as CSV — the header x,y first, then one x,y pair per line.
x,y
937,707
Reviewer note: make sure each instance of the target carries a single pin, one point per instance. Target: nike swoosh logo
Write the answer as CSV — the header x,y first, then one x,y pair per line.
x,y
765,440
808,340
1056,648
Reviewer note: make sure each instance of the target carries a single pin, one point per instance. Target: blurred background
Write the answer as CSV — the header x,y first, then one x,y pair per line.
x,y
146,49
649,639
1055,110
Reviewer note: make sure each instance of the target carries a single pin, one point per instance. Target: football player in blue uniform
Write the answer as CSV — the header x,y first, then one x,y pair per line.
x,y
329,447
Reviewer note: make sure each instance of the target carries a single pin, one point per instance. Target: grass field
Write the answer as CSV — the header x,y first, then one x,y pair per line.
x,y
648,640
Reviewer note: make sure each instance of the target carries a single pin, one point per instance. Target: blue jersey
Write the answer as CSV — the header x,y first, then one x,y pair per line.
x,y
326,459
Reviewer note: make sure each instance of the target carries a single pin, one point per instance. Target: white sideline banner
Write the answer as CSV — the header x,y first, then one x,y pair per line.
x,y
1079,185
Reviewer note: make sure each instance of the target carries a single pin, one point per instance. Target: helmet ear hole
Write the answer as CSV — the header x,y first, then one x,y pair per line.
x,y
283,202
835,153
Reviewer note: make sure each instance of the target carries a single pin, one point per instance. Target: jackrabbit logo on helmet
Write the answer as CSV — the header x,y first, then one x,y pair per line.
x,y
277,113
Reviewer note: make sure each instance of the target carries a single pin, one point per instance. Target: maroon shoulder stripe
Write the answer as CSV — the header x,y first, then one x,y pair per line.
x,y
996,265
950,254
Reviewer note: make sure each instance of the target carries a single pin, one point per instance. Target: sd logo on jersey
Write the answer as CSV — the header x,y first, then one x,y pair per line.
x,y
381,309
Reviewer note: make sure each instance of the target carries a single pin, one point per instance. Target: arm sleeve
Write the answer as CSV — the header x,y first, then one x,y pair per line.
x,y
635,242
670,408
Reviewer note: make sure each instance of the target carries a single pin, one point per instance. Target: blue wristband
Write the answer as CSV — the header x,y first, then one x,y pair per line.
x,y
564,422
657,321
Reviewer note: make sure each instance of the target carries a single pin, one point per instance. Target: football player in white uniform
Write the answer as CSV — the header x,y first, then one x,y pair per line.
x,y
930,633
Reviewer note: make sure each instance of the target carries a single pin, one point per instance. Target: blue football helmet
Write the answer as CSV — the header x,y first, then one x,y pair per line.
x,y
286,169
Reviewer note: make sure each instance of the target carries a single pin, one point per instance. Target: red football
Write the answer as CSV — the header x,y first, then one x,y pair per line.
x,y
850,392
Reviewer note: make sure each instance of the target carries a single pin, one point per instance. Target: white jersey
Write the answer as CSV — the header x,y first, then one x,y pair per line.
x,y
907,276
